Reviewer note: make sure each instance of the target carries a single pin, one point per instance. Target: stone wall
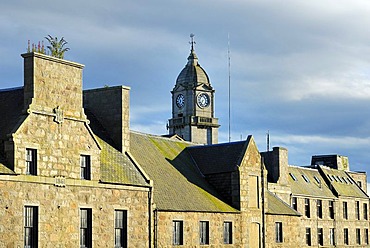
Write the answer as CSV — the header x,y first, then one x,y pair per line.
x,y
292,235
59,219
111,105
191,221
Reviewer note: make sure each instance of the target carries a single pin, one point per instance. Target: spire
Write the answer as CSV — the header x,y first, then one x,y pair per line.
x,y
192,59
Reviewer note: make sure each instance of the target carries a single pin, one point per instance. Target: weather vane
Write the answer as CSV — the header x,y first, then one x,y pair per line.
x,y
192,42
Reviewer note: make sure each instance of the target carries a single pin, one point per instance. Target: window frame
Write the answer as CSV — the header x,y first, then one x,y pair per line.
x,y
279,232
357,210
295,203
345,210
365,211
319,208
307,209
228,232
204,232
85,167
308,236
85,227
31,161
358,236
345,236
320,236
331,209
366,236
120,228
177,232
31,226
332,236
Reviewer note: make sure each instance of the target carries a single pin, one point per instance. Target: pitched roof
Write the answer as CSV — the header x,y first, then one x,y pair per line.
x,y
311,187
218,158
277,206
3,169
342,183
178,184
11,106
117,167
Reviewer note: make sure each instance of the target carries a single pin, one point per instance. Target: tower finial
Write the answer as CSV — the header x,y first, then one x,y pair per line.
x,y
192,42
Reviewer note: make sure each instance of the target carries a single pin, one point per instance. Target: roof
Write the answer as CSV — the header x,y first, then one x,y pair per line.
x,y
178,184
11,106
219,158
315,185
342,183
3,169
193,74
118,167
277,206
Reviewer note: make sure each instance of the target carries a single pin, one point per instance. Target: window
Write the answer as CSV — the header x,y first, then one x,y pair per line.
x,y
85,167
31,161
358,236
359,183
120,229
345,238
365,211
308,236
30,226
204,232
345,210
177,232
305,178
307,207
294,203
331,209
332,236
366,233
293,177
85,228
278,232
320,236
319,208
357,209
228,232
317,179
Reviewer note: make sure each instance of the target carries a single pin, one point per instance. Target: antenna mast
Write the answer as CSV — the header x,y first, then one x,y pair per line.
x,y
228,55
268,140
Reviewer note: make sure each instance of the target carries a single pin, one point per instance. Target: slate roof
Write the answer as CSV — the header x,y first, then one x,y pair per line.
x,y
178,184
219,158
276,206
11,106
311,188
342,183
117,167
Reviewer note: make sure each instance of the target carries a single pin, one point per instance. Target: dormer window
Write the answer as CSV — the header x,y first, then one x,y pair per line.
x,y
31,161
85,167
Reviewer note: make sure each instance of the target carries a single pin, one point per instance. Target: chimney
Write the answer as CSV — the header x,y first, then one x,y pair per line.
x,y
276,162
52,84
111,106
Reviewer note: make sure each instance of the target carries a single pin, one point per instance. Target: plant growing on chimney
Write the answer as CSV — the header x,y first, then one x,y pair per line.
x,y
56,46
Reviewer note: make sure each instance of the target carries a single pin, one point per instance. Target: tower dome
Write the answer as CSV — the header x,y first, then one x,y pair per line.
x,y
193,74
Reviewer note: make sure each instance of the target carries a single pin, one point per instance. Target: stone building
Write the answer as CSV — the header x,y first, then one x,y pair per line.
x,y
72,172
62,185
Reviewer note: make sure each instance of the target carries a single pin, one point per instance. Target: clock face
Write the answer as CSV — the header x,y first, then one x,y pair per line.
x,y
180,100
203,100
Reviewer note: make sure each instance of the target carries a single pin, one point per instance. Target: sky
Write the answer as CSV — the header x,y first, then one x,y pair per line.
x,y
299,70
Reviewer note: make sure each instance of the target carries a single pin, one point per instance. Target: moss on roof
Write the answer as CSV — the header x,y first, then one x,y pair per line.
x,y
311,188
178,184
277,207
117,167
342,183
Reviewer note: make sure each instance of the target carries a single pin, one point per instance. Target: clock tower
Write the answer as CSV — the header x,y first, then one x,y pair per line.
x,y
193,104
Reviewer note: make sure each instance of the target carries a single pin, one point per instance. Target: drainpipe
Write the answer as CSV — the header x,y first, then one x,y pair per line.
x,y
150,217
263,203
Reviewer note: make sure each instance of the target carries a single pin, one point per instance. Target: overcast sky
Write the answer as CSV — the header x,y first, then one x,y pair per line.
x,y
300,69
